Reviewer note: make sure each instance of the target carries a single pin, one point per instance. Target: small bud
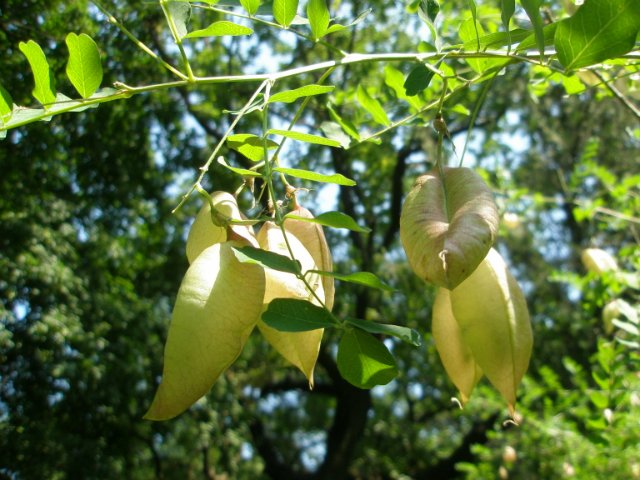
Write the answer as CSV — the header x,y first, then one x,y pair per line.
x,y
598,261
503,473
568,470
608,415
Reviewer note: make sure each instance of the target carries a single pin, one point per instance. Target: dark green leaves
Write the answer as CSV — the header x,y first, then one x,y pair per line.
x,y
83,68
364,361
403,333
266,259
599,30
284,11
44,90
293,315
417,80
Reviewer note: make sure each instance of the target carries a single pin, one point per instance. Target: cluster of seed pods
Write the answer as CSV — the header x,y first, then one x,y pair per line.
x,y
480,321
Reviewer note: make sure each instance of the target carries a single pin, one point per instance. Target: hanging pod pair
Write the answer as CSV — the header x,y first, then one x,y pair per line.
x,y
448,225
221,300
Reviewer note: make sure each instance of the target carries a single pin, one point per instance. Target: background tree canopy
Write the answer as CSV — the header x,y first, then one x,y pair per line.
x,y
91,256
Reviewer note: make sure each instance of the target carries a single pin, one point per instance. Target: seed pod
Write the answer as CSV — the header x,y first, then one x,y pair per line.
x,y
218,304
204,232
299,348
456,357
448,225
312,237
494,321
598,261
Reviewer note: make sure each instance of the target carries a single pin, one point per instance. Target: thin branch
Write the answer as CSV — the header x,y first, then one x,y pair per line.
x,y
618,94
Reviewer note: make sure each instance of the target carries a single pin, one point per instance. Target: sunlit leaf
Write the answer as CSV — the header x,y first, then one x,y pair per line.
x,y
304,137
44,90
251,146
284,11
333,219
364,361
599,30
83,68
240,171
6,104
318,14
219,29
348,127
290,96
316,177
367,279
293,315
251,6
372,106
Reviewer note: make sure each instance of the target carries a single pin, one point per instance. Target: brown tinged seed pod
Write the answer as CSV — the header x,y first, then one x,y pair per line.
x,y
456,357
299,348
492,314
312,237
218,305
205,232
447,225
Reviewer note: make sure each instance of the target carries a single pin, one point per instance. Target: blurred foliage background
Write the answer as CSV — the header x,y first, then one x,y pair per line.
x,y
91,259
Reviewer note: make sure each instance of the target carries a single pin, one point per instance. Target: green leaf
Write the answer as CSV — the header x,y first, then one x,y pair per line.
x,y
318,14
530,40
405,334
532,7
290,96
335,132
367,279
83,68
364,361
599,30
418,79
44,90
394,79
474,16
219,29
372,106
346,125
316,177
179,13
284,11
334,220
627,327
251,6
251,146
240,171
304,137
6,105
431,8
266,259
507,9
295,315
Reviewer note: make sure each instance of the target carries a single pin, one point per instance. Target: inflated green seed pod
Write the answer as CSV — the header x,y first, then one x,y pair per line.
x,y
456,357
598,261
299,348
312,237
218,305
492,314
447,225
205,232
